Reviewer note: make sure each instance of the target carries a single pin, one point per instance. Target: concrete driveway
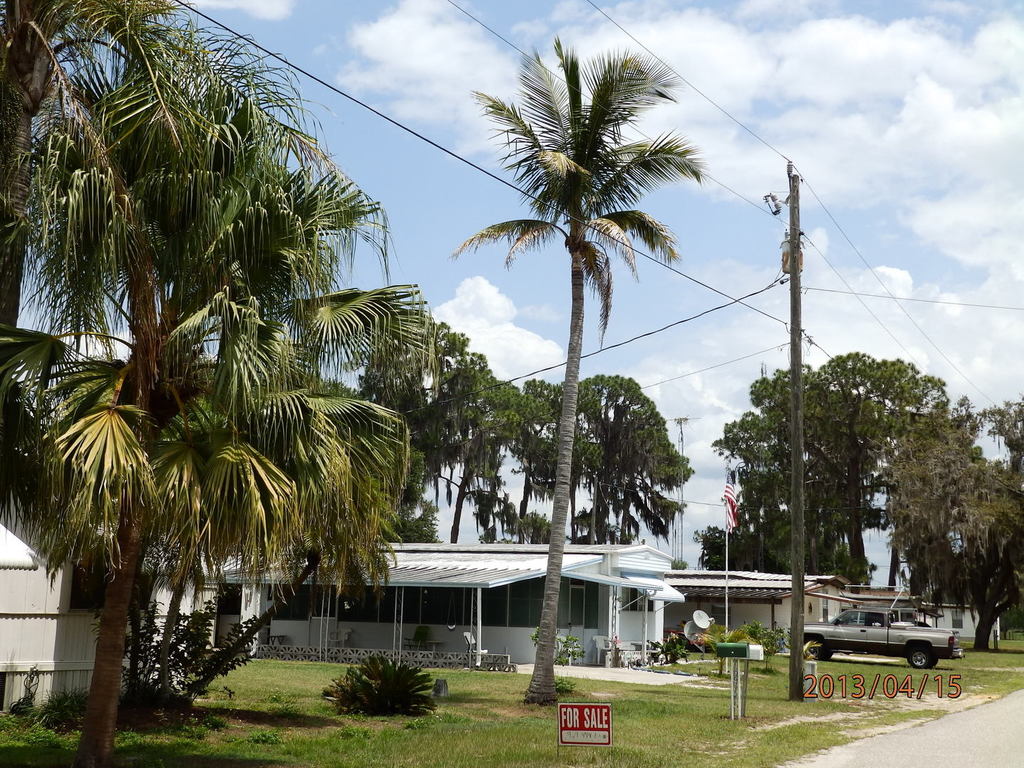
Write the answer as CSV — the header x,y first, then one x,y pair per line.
x,y
987,736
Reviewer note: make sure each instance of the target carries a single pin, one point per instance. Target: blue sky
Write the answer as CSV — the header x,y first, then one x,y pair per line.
x,y
906,118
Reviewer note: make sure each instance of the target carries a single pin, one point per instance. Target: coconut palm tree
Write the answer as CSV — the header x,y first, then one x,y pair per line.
x,y
581,176
188,272
46,43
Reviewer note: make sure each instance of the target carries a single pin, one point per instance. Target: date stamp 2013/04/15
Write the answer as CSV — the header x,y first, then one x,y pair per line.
x,y
886,686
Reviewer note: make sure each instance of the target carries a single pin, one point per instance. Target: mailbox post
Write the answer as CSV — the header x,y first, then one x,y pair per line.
x,y
735,653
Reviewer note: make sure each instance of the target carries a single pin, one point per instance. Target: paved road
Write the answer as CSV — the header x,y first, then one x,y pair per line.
x,y
987,736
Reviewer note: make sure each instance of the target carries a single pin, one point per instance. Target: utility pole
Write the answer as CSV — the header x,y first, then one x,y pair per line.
x,y
796,440
678,527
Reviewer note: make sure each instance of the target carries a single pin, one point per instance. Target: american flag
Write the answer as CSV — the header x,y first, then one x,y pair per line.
x,y
731,508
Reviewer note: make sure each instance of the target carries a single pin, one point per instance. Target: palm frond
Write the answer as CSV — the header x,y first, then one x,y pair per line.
x,y
520,234
656,237
641,167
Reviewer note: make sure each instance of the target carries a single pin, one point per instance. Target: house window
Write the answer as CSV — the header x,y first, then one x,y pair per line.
x,y
633,600
495,608
590,605
325,600
229,600
524,603
958,618
442,605
88,586
297,606
355,608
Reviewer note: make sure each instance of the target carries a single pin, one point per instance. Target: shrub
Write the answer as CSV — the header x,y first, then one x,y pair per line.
x,y
61,711
264,737
567,649
674,648
565,686
770,639
380,686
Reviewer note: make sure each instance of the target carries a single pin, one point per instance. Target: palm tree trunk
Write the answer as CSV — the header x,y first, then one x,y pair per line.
x,y
18,172
542,684
170,624
97,740
524,504
221,660
460,500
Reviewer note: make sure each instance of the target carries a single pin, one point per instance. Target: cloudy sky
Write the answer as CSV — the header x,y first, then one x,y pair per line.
x,y
906,119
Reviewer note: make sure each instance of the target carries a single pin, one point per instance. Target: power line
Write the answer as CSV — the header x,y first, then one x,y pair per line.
x,y
863,303
778,347
816,197
440,147
623,343
513,46
697,90
881,282
909,298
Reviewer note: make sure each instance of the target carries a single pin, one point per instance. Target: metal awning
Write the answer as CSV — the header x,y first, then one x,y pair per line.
x,y
662,591
477,569
16,555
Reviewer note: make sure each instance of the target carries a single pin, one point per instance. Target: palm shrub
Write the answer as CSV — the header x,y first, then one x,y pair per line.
x,y
380,686
61,710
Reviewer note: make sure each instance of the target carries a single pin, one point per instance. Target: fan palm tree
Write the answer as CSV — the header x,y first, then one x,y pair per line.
x,y
188,270
580,176
46,43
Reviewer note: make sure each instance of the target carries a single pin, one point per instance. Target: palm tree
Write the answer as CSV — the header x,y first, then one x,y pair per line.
x,y
580,176
46,44
188,270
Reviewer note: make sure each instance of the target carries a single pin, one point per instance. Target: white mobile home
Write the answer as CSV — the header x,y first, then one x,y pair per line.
x,y
441,597
45,624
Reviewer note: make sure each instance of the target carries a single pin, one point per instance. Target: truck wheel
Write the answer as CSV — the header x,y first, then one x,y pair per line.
x,y
921,657
824,653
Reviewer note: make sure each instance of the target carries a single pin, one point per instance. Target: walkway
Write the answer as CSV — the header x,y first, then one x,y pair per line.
x,y
623,675
986,736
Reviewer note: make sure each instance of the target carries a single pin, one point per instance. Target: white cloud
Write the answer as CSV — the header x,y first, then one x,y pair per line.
x,y
271,10
919,118
543,313
427,59
909,113
486,316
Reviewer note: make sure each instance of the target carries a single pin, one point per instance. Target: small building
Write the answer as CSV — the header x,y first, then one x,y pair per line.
x,y
46,624
441,597
48,621
753,596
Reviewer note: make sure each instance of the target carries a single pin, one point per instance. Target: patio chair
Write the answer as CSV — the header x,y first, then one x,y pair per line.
x,y
420,638
471,648
603,645
338,637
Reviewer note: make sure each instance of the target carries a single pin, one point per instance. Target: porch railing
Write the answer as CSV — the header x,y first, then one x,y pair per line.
x,y
495,662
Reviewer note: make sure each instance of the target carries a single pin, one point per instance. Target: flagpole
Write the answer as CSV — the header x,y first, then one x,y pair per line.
x,y
727,576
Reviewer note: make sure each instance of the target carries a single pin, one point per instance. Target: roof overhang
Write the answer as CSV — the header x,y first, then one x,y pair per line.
x,y
16,555
657,588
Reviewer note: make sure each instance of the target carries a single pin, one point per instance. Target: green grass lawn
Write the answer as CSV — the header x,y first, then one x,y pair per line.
x,y
271,714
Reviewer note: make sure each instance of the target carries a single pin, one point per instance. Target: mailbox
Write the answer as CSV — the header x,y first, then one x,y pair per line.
x,y
733,650
756,652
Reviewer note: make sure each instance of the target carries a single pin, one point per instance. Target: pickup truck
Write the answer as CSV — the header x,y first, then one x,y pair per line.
x,y
878,632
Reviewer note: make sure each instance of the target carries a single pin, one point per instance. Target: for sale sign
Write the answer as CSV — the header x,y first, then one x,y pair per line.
x,y
584,725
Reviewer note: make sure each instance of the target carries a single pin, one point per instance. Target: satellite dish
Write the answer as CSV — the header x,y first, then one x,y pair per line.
x,y
692,632
701,619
